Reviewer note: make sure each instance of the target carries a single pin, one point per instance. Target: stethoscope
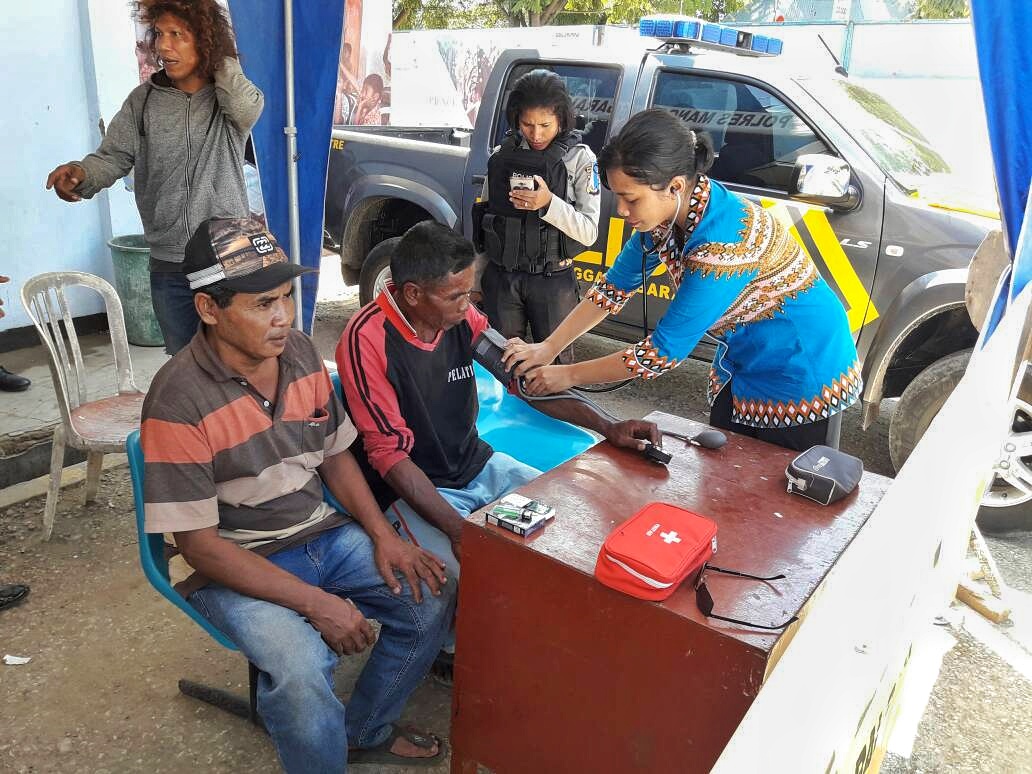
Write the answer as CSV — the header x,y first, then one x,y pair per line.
x,y
654,250
645,253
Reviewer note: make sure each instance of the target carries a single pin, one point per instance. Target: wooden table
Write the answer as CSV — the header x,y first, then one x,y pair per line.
x,y
556,673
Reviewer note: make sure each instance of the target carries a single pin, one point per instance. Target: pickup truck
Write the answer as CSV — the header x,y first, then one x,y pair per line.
x,y
897,259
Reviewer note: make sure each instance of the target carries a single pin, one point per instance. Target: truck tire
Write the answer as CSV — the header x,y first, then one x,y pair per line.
x,y
375,269
1005,506
921,401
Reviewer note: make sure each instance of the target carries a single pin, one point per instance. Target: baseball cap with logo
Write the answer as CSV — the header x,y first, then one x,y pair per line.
x,y
238,253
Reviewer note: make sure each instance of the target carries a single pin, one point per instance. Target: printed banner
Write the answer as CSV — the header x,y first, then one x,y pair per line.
x,y
364,72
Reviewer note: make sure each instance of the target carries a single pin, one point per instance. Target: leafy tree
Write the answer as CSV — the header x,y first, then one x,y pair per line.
x,y
941,9
532,13
440,14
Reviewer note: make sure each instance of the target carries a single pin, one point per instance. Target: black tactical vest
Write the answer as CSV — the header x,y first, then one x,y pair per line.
x,y
518,240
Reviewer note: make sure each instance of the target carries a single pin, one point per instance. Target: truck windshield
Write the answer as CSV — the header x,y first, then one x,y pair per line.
x,y
896,145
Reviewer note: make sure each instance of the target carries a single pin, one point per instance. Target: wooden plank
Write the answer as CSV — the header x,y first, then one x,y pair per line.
x,y
980,598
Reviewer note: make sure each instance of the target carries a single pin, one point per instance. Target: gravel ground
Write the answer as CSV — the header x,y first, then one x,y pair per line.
x,y
100,693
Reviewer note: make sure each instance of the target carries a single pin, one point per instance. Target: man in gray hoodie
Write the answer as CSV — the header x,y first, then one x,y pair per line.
x,y
183,132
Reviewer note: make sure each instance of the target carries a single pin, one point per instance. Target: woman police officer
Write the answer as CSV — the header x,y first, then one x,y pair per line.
x,y
785,362
541,203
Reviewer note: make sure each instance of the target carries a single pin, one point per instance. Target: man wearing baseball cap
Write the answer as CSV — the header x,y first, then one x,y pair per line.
x,y
240,431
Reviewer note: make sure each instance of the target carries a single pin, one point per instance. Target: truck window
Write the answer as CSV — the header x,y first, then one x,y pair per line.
x,y
592,89
757,137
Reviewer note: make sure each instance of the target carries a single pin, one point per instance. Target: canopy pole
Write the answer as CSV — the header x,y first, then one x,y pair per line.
x,y
290,130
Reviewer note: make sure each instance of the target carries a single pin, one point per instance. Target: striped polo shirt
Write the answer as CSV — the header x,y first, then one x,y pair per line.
x,y
219,454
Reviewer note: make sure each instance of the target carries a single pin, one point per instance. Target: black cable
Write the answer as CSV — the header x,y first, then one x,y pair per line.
x,y
565,395
644,330
608,388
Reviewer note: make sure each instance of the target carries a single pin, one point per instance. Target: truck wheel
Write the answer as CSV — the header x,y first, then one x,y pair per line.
x,y
376,269
921,401
1008,502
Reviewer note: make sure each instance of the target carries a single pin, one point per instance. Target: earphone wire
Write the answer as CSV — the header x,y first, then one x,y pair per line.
x,y
644,298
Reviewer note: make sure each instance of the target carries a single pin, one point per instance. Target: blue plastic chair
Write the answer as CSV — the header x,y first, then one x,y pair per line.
x,y
155,567
504,421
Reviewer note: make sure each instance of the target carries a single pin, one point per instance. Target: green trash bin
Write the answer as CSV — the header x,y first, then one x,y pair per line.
x,y
131,258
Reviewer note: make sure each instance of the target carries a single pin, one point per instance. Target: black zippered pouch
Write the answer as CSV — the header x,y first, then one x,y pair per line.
x,y
823,474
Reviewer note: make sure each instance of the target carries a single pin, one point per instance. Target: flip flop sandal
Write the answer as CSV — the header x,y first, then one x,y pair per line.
x,y
382,752
12,594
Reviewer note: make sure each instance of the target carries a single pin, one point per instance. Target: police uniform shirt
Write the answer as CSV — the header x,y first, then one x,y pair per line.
x,y
577,217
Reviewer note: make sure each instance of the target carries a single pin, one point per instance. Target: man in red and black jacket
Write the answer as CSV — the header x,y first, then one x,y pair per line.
x,y
406,364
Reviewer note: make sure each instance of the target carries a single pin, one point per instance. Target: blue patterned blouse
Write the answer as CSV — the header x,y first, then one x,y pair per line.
x,y
784,344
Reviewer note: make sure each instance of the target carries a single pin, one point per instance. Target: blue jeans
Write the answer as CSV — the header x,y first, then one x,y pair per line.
x,y
174,308
306,720
500,475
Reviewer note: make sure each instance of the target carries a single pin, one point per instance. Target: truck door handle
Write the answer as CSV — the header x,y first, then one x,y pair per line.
x,y
479,179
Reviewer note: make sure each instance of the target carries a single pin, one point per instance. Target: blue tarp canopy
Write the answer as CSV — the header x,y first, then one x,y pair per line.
x,y
1003,37
1003,31
261,40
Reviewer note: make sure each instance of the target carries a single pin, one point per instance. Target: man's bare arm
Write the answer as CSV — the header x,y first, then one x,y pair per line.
x,y
344,479
628,433
411,485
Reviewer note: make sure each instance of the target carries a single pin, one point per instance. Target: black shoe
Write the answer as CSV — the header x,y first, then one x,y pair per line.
x,y
12,382
12,595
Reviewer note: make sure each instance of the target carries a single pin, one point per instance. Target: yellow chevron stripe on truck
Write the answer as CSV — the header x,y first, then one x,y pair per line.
x,y
614,243
860,310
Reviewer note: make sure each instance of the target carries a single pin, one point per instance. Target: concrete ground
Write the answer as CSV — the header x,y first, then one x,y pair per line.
x,y
100,692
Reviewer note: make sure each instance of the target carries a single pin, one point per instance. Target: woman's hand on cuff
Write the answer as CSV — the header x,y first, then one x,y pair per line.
x,y
520,357
548,380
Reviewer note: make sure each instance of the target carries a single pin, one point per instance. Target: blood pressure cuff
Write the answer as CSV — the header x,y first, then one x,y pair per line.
x,y
823,474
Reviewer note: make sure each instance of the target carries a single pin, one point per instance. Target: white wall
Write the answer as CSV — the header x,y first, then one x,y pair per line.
x,y
49,116
112,42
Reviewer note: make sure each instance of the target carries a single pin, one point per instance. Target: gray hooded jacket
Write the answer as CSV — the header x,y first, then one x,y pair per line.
x,y
187,151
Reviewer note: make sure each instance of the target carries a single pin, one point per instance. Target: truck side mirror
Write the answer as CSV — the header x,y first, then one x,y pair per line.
x,y
822,179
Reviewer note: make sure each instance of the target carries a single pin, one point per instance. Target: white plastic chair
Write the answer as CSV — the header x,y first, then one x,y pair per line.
x,y
99,426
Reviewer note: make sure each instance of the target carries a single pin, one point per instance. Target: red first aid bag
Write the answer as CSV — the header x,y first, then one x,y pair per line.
x,y
650,554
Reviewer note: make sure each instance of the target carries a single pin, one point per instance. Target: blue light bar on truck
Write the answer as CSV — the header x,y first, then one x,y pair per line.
x,y
671,28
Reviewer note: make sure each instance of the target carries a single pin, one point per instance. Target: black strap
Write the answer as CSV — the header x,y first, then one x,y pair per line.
x,y
532,241
704,600
743,574
214,112
141,128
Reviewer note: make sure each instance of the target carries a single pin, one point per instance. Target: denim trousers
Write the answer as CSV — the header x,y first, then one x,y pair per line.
x,y
500,476
309,725
174,308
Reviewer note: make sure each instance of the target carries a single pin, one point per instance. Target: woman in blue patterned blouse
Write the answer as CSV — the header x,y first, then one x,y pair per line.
x,y
785,362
